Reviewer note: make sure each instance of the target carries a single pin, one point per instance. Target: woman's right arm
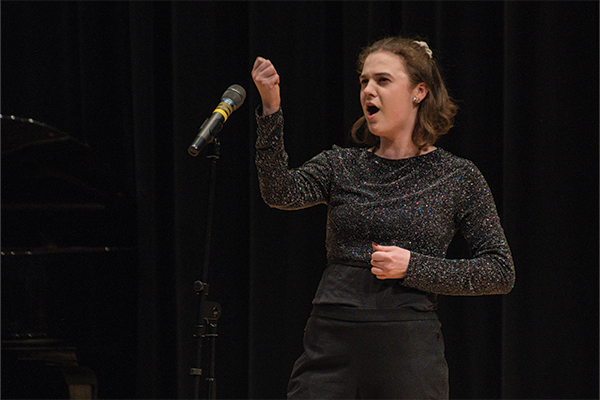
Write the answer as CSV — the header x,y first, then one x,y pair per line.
x,y
281,187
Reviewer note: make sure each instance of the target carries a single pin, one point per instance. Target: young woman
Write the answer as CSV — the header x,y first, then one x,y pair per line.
x,y
394,206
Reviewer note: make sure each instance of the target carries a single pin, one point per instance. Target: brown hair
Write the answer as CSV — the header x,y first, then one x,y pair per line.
x,y
436,111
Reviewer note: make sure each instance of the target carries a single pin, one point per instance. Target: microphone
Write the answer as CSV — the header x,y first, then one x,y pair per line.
x,y
231,100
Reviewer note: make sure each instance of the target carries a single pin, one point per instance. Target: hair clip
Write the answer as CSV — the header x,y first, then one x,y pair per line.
x,y
425,47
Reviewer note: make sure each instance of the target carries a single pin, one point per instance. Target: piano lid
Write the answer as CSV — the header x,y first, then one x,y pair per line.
x,y
44,167
57,192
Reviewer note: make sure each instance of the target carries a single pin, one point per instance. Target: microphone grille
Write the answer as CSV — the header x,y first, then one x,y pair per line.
x,y
236,94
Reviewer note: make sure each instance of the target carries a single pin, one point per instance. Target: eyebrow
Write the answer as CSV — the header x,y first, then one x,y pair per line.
x,y
377,74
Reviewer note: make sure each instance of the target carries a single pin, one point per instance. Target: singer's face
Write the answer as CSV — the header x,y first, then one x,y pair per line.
x,y
386,95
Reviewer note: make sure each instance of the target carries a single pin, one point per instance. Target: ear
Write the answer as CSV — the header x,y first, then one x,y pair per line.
x,y
420,91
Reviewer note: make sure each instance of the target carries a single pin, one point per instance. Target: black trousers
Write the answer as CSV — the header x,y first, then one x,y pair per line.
x,y
370,360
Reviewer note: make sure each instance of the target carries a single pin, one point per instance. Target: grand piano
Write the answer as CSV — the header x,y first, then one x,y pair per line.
x,y
68,268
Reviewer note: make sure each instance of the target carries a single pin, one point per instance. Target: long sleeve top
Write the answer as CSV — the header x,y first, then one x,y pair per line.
x,y
417,203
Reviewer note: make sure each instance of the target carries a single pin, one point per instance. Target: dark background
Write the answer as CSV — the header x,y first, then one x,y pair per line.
x,y
134,80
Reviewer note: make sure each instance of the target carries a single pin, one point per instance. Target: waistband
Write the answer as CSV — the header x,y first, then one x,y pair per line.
x,y
352,263
372,314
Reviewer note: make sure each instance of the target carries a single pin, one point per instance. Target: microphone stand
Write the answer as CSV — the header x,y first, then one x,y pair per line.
x,y
208,311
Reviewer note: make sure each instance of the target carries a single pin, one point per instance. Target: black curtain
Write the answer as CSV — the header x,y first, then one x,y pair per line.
x,y
135,80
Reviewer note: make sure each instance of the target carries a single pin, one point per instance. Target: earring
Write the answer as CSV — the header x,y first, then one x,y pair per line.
x,y
416,100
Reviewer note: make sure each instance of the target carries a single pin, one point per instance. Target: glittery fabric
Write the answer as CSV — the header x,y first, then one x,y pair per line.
x,y
417,203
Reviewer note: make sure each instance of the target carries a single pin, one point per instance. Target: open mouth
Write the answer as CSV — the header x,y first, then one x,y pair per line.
x,y
371,110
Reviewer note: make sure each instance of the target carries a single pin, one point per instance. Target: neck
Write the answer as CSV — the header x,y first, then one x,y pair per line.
x,y
399,149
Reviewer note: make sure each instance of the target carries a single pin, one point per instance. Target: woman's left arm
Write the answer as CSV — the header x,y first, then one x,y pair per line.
x,y
490,270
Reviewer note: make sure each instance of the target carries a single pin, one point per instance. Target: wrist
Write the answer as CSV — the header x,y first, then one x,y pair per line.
x,y
269,109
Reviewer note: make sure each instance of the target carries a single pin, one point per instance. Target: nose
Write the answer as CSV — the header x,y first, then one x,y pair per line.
x,y
369,89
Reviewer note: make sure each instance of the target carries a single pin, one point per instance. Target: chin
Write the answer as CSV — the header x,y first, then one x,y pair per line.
x,y
373,128
376,132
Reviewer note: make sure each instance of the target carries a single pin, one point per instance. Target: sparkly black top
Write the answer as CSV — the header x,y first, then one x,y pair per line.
x,y
417,203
